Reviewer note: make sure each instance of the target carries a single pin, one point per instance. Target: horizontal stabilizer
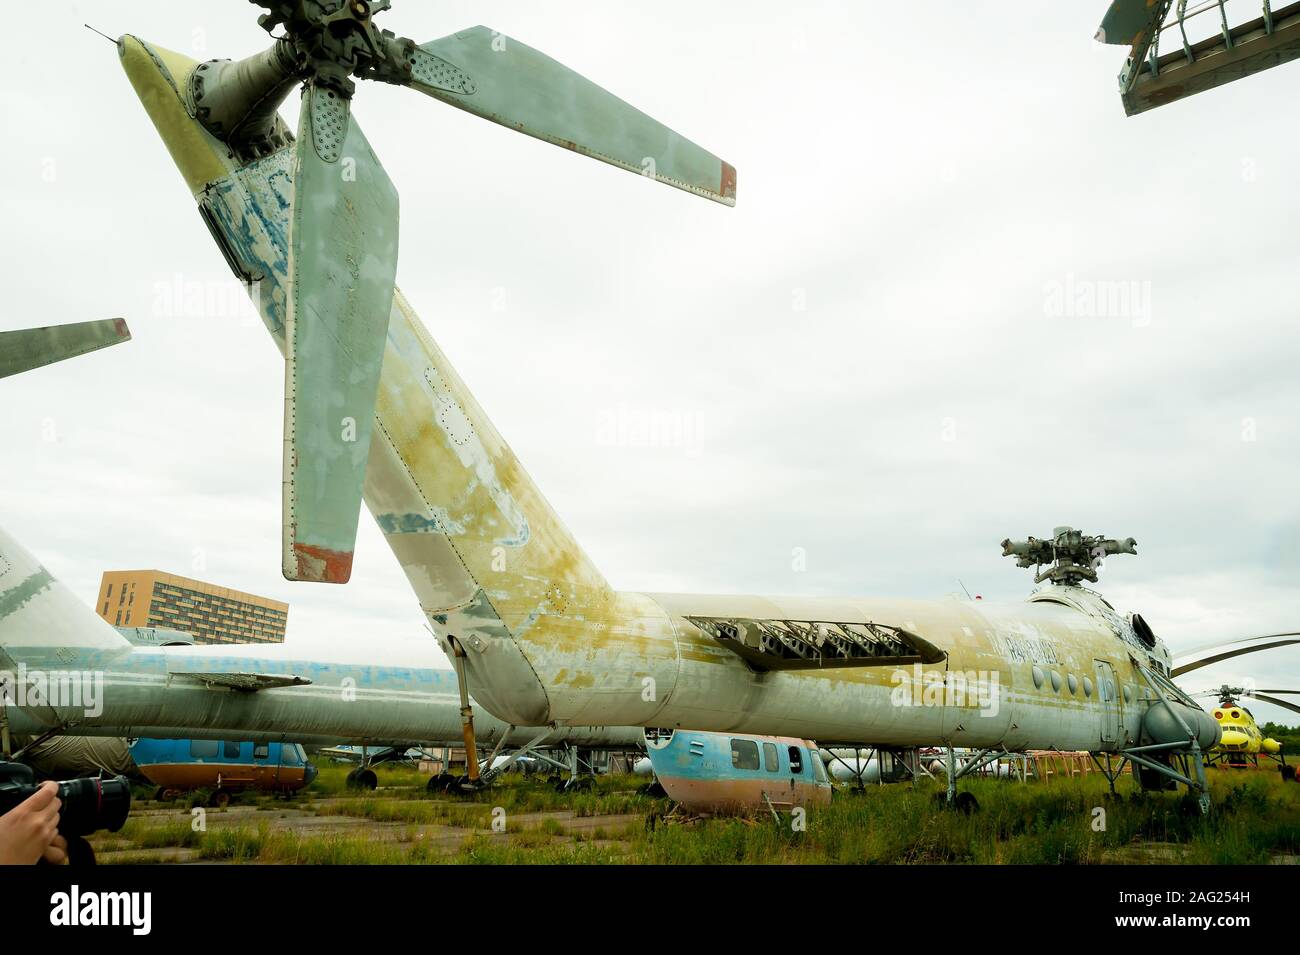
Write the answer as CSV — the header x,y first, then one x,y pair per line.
x,y
496,77
29,348
245,682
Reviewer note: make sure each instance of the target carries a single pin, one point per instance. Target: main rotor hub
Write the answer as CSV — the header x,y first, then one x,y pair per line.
x,y
1228,695
334,40
1070,555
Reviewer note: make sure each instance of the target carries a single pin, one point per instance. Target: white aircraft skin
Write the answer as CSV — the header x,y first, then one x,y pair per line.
x,y
549,641
45,632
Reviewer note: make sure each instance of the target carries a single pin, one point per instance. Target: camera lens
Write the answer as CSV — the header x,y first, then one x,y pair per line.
x,y
93,804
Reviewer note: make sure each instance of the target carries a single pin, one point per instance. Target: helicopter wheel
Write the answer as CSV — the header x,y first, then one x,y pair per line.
x,y
1288,773
362,779
220,799
966,803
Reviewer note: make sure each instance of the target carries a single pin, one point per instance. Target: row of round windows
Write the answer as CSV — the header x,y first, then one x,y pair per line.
x,y
1073,682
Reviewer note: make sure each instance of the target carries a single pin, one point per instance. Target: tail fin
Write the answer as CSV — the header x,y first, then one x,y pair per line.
x,y
41,622
479,509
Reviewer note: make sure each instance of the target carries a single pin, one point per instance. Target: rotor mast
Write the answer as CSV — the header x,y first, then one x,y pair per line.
x,y
1069,555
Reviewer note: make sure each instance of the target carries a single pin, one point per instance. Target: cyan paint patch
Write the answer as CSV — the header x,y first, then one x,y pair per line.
x,y
410,524
16,597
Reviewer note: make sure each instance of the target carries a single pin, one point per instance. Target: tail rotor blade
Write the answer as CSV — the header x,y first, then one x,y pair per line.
x,y
342,263
490,75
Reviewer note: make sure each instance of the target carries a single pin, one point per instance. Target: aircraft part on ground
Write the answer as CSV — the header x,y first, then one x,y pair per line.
x,y
70,757
723,772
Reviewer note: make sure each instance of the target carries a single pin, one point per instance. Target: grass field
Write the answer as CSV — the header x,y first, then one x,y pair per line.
x,y
1256,819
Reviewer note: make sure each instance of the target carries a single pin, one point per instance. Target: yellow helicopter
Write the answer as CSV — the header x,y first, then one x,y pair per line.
x,y
1242,742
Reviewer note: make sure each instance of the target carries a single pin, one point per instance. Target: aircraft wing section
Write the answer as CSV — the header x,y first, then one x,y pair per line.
x,y
244,682
817,644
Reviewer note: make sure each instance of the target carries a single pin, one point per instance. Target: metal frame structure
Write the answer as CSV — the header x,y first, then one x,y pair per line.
x,y
1149,79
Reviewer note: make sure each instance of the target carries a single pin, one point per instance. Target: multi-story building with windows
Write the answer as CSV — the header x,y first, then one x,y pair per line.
x,y
211,614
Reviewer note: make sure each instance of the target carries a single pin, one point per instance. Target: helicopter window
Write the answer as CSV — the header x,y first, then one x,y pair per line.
x,y
203,749
1087,686
744,754
261,751
819,771
1056,681
770,760
796,760
1073,682
231,750
1038,678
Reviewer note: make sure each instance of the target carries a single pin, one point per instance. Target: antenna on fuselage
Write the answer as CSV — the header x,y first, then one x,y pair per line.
x,y
1072,555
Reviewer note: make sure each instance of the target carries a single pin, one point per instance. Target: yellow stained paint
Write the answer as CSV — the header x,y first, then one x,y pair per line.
x,y
198,156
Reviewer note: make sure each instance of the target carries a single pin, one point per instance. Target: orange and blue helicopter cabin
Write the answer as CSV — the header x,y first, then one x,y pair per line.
x,y
730,772
184,765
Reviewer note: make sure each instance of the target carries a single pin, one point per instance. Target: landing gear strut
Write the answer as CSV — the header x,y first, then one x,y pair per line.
x,y
458,657
965,802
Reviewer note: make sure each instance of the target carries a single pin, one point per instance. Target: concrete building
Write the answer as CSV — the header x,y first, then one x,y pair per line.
x,y
211,614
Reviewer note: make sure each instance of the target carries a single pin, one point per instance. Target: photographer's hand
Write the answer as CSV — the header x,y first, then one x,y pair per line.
x,y
30,830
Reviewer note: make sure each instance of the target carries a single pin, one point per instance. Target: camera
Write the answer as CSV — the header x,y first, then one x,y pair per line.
x,y
88,804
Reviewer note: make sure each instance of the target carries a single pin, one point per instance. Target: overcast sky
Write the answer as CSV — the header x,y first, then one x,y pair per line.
x,y
961,297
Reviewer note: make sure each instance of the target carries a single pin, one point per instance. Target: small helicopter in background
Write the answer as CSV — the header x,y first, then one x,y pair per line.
x,y
1243,742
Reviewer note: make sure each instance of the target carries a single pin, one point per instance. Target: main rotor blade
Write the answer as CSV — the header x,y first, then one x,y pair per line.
x,y
28,348
1285,704
1199,657
342,262
499,78
1125,21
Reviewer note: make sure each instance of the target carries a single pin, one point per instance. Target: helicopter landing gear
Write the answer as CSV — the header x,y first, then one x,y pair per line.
x,y
965,802
363,778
